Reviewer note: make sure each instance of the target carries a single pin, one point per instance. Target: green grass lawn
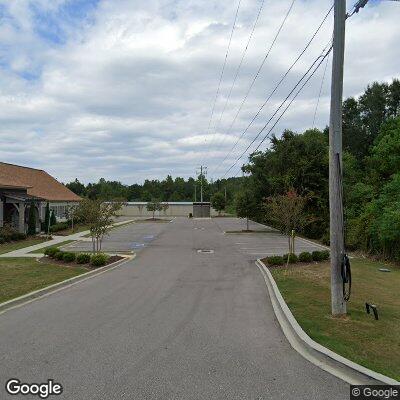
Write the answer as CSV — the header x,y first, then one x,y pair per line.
x,y
41,251
7,247
19,276
358,337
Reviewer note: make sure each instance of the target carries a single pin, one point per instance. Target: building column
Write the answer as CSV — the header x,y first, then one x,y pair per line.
x,y
21,217
1,214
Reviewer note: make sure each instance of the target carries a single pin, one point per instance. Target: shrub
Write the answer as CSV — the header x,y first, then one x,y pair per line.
x,y
320,255
59,226
83,258
59,255
8,234
98,260
51,251
292,258
275,260
325,254
69,257
305,256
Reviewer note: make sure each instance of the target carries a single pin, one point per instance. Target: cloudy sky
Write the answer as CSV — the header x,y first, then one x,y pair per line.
x,y
123,89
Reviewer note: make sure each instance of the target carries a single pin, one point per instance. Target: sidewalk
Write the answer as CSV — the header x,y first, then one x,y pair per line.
x,y
26,251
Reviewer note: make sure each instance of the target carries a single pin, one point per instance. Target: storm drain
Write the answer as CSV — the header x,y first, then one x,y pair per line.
x,y
205,251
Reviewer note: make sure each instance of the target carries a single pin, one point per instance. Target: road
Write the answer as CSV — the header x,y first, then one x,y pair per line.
x,y
171,324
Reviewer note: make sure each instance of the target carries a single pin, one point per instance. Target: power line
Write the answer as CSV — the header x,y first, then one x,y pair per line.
x,y
320,91
240,63
277,86
286,108
322,57
261,66
223,66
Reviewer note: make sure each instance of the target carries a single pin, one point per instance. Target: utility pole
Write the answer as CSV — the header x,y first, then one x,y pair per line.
x,y
335,161
203,171
195,193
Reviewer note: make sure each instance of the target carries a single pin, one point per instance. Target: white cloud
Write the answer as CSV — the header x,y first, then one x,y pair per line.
x,y
128,92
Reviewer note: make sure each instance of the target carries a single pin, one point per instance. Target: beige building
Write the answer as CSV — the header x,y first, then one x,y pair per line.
x,y
175,209
20,187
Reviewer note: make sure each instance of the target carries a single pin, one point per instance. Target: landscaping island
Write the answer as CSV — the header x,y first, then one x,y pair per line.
x,y
358,336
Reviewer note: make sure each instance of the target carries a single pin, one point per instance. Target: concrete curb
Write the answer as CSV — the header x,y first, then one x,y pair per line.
x,y
48,290
317,354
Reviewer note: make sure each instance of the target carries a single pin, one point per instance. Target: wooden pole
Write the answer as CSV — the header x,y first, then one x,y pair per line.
x,y
335,161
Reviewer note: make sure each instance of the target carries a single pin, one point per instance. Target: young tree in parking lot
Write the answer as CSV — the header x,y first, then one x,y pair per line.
x,y
156,205
246,206
218,202
99,216
286,213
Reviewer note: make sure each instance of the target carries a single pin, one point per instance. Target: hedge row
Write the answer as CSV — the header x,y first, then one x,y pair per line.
x,y
10,235
96,260
303,257
59,226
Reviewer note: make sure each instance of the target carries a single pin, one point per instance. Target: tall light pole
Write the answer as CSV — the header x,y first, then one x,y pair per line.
x,y
335,161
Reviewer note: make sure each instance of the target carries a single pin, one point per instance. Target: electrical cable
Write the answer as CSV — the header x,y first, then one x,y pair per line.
x,y
223,67
276,87
261,66
240,64
322,57
320,91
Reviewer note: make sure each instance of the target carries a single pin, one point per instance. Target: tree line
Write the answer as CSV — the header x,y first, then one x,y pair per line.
x,y
168,189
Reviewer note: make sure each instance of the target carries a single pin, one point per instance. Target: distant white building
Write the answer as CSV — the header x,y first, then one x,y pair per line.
x,y
175,209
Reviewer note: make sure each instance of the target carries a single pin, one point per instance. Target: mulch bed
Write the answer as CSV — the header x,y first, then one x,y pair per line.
x,y
48,260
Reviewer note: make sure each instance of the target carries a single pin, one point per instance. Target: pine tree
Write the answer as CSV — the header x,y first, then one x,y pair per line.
x,y
53,219
46,218
32,219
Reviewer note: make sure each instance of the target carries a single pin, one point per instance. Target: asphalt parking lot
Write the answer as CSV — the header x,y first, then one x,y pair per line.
x,y
264,242
128,238
172,323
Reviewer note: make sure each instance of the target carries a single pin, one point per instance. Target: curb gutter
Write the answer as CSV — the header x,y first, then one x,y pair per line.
x,y
46,291
317,354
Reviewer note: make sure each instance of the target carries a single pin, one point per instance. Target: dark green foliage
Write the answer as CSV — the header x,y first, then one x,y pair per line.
x,y
59,226
32,219
98,260
53,219
218,201
246,205
77,187
292,258
51,251
69,257
275,260
8,234
320,255
46,218
169,189
83,258
59,255
298,162
325,254
305,256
